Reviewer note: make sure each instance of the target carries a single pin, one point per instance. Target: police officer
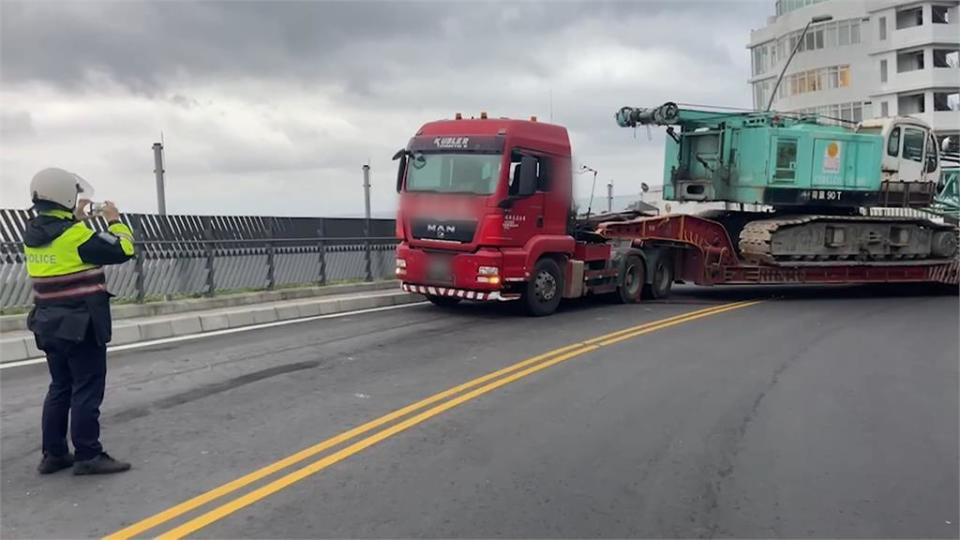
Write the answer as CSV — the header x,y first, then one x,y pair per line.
x,y
71,316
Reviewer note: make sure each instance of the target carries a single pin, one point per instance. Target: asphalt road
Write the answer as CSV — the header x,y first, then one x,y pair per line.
x,y
828,412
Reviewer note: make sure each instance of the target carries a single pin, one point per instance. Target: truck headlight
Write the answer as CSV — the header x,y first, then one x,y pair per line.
x,y
402,263
488,274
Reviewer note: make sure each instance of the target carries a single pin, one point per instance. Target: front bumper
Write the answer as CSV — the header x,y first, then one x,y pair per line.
x,y
481,296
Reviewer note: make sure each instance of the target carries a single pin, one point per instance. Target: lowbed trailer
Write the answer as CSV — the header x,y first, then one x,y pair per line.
x,y
642,258
699,250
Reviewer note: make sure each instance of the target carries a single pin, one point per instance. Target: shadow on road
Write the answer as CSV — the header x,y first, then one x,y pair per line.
x,y
811,292
695,295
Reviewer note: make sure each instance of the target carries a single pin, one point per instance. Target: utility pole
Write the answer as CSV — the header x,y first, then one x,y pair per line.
x,y
366,220
610,196
158,171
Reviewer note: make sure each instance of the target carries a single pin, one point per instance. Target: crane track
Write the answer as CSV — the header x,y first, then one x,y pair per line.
x,y
756,238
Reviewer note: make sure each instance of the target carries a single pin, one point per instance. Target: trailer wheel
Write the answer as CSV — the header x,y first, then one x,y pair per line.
x,y
544,290
631,280
443,301
661,281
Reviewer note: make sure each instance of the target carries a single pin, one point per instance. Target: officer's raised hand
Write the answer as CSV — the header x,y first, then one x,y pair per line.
x,y
80,212
110,212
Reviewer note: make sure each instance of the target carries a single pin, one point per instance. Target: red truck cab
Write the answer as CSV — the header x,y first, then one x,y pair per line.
x,y
485,212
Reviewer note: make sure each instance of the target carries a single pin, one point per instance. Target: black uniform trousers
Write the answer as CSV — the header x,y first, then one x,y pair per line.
x,y
78,372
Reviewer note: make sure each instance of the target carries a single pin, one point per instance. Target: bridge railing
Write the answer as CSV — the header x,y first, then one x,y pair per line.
x,y
205,255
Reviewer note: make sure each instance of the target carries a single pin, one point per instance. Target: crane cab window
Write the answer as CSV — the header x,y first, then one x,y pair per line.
x,y
913,144
893,143
931,153
786,159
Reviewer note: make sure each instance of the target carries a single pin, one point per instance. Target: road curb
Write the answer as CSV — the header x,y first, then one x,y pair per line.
x,y
12,323
125,332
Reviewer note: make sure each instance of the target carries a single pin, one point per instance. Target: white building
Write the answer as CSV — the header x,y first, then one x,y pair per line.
x,y
875,58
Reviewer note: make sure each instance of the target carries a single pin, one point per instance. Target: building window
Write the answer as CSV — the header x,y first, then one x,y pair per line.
x,y
908,18
844,76
946,58
844,34
832,80
761,93
946,101
909,61
883,28
883,71
821,36
911,104
913,144
816,80
884,109
893,143
840,113
763,58
940,14
846,112
830,35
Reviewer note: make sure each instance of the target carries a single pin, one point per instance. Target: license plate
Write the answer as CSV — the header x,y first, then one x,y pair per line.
x,y
438,269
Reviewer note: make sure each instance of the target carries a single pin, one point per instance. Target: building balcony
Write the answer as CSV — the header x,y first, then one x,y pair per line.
x,y
920,79
917,36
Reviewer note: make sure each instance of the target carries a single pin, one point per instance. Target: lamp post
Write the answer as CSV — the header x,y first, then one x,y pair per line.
x,y
796,47
584,168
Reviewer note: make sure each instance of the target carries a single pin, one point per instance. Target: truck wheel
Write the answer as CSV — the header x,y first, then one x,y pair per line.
x,y
631,280
661,282
443,301
544,289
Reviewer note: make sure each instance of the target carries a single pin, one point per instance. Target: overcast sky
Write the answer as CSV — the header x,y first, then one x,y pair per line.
x,y
272,108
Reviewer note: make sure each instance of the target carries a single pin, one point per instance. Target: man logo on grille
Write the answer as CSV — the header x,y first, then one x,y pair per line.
x,y
440,230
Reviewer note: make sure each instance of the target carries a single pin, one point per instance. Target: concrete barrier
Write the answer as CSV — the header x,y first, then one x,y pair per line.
x,y
19,345
12,323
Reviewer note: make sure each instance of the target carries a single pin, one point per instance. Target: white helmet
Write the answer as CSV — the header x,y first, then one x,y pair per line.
x,y
60,187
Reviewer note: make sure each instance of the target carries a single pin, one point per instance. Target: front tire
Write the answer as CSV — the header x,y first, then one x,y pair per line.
x,y
443,301
544,290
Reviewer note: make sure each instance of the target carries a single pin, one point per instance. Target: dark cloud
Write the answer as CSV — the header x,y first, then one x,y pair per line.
x,y
297,94
150,46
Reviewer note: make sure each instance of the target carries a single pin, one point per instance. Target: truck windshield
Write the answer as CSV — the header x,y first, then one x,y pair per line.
x,y
454,173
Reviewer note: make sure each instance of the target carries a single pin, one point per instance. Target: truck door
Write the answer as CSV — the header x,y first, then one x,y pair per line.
x,y
525,218
912,163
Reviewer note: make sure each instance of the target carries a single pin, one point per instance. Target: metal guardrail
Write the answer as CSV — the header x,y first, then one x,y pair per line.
x,y
206,255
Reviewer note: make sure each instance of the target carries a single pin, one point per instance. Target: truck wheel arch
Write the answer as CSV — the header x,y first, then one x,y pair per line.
x,y
558,248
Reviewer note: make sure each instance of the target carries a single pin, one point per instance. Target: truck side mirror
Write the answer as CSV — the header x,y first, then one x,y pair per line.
x,y
528,176
402,156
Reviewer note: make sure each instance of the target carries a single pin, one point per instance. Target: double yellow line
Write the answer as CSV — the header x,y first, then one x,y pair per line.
x,y
439,402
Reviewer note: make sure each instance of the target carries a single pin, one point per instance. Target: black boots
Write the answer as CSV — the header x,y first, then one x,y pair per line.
x,y
102,464
51,464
